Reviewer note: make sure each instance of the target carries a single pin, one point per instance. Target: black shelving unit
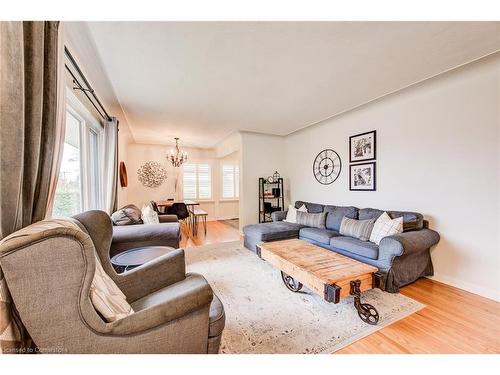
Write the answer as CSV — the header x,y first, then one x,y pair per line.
x,y
271,198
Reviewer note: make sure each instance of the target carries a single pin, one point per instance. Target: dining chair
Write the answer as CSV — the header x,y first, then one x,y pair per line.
x,y
180,209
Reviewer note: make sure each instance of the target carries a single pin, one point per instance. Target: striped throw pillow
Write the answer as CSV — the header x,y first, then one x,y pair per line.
x,y
360,229
311,220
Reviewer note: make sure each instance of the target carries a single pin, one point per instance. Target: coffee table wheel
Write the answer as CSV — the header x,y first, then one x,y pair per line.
x,y
290,282
366,312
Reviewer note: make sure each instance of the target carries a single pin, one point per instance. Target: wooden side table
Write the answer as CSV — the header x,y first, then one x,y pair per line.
x,y
135,257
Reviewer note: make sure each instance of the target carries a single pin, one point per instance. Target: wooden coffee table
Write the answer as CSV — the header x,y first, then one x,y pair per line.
x,y
331,275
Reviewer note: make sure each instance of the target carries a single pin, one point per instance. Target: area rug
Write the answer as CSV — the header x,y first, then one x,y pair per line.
x,y
263,316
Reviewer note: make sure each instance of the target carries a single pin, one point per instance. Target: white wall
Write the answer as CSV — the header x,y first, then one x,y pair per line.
x,y
226,208
261,155
438,153
229,145
140,195
76,38
124,140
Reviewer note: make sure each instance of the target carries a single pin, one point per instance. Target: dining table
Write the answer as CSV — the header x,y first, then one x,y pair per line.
x,y
164,204
190,204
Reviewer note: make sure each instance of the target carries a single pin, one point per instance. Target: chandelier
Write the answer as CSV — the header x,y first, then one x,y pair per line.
x,y
176,156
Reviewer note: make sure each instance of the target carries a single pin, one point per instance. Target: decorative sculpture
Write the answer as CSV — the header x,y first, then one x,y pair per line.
x,y
152,174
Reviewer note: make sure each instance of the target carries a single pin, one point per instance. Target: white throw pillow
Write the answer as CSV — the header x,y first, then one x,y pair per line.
x,y
291,215
385,226
106,297
149,216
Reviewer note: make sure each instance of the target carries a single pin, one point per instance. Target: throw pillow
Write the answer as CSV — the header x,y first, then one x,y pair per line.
x,y
106,297
385,226
149,216
291,215
127,215
360,229
311,220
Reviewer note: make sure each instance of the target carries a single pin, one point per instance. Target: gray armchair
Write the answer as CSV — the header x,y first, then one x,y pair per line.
x,y
49,267
130,232
125,237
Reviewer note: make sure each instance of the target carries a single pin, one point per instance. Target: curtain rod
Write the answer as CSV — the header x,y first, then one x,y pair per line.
x,y
86,90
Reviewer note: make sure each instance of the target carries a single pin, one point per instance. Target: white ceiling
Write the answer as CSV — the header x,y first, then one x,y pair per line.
x,y
202,80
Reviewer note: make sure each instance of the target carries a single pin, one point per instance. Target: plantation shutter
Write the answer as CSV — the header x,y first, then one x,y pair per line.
x,y
189,183
204,181
236,181
227,181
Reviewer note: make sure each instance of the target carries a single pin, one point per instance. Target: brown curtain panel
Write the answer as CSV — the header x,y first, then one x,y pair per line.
x,y
28,130
28,86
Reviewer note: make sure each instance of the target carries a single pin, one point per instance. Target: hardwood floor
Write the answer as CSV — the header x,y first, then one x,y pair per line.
x,y
217,231
453,321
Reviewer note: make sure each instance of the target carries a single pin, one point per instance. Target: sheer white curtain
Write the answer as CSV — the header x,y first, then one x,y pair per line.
x,y
110,165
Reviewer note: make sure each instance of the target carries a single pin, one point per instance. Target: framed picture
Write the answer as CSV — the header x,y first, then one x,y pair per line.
x,y
363,147
362,177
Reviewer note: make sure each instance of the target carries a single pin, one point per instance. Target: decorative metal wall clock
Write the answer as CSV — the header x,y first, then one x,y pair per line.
x,y
327,167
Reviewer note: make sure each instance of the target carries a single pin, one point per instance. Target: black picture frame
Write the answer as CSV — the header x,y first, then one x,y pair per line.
x,y
353,137
374,171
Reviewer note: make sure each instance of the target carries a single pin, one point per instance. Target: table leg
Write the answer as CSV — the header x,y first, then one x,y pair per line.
x,y
366,312
290,282
332,293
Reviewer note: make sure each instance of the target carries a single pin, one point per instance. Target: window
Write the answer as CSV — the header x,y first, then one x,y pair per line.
x,y
197,181
79,184
68,198
230,181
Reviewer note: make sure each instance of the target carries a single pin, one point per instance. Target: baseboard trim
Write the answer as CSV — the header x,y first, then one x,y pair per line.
x,y
222,218
468,287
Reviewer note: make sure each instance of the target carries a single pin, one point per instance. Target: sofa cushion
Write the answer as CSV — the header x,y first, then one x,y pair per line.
x,y
360,229
411,220
355,246
149,216
291,215
127,215
385,226
317,234
278,230
311,220
336,213
313,208
145,233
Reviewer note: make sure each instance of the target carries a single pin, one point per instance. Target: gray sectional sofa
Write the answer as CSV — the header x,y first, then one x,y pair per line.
x,y
402,258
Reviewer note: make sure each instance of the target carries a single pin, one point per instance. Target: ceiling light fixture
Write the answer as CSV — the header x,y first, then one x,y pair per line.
x,y
177,156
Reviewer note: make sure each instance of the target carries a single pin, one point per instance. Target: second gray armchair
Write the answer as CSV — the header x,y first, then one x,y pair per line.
x,y
49,267
129,232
